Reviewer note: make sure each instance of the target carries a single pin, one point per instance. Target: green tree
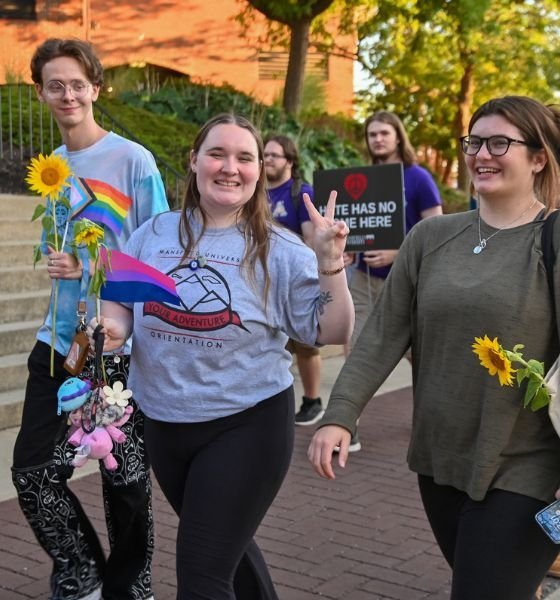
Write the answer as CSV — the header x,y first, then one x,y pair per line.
x,y
432,61
297,16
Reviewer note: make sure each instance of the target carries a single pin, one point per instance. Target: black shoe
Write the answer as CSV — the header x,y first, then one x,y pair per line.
x,y
355,445
310,412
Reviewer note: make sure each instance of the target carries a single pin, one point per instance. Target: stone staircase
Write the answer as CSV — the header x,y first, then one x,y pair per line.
x,y
24,297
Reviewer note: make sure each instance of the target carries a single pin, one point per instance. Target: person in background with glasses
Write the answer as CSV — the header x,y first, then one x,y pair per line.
x,y
387,142
68,78
486,465
285,188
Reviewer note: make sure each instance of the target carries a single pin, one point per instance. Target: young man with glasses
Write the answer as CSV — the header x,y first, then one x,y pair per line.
x,y
68,78
285,191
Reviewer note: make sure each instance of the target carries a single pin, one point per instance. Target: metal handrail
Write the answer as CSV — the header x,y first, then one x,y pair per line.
x,y
27,127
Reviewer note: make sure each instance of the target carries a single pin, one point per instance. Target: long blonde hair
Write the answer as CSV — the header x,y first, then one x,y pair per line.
x,y
254,218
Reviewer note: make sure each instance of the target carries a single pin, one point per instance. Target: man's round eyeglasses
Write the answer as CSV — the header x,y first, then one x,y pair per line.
x,y
273,155
497,145
57,89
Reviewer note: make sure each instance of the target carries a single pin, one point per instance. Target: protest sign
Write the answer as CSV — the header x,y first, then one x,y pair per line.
x,y
371,202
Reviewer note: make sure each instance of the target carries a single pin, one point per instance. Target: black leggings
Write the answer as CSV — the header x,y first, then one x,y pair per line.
x,y
494,546
220,477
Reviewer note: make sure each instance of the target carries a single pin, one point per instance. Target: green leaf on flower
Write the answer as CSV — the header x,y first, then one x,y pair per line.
x,y
517,348
48,223
532,388
39,211
97,281
521,374
541,399
37,254
536,366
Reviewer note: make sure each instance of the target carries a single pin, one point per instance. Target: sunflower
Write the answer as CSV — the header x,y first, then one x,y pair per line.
x,y
48,175
493,358
87,233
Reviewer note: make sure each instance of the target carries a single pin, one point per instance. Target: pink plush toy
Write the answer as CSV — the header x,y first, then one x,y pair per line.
x,y
99,443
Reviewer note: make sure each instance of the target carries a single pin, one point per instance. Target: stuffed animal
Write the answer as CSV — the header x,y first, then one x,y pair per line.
x,y
99,443
72,394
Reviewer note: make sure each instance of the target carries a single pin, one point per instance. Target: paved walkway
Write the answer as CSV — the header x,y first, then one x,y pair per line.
x,y
363,536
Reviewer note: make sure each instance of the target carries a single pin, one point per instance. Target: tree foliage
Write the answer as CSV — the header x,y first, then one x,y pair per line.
x,y
432,61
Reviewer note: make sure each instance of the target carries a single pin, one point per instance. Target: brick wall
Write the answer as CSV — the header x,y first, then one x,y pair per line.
x,y
197,37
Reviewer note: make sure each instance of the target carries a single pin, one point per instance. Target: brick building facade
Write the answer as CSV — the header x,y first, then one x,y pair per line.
x,y
199,38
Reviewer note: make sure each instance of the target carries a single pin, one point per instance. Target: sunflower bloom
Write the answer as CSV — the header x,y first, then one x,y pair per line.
x,y
48,175
90,235
493,357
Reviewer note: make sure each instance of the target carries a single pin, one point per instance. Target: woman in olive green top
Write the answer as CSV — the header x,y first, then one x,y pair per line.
x,y
485,464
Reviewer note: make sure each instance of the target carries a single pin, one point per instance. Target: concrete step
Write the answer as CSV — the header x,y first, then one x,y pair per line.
x,y
14,207
20,229
13,371
18,337
11,406
24,279
17,253
24,306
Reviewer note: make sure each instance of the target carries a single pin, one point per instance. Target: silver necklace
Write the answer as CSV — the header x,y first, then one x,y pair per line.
x,y
483,241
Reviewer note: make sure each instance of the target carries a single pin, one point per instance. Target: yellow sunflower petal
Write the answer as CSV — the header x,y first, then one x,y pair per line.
x,y
493,358
48,175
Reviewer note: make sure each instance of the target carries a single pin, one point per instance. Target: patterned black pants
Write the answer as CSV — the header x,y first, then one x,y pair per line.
x,y
41,468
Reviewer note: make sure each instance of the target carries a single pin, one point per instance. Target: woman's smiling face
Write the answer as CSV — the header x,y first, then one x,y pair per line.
x,y
509,175
227,168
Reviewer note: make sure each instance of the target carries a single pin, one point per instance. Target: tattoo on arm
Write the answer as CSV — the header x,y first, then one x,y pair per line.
x,y
324,298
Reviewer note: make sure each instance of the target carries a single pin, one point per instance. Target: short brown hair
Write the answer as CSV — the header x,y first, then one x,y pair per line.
x,y
79,50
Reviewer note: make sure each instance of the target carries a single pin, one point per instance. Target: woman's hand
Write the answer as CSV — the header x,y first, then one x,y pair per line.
x,y
329,235
61,265
116,332
322,446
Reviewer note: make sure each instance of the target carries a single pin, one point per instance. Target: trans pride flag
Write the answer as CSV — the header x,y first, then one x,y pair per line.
x,y
131,280
99,202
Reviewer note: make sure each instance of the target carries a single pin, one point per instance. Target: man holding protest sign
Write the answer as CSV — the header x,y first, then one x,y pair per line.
x,y
388,143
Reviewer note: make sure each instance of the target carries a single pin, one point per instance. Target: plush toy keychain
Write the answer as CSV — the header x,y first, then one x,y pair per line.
x,y
96,412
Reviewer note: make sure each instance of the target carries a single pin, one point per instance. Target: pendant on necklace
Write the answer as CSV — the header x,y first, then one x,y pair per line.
x,y
199,261
479,247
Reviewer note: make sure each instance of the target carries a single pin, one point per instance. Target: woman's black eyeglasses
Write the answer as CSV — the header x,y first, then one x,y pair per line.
x,y
497,145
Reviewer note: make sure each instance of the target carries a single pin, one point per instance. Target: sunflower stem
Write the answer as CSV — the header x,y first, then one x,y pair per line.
x,y
53,324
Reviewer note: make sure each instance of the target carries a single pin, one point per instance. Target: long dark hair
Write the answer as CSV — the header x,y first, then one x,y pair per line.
x,y
405,149
254,218
290,152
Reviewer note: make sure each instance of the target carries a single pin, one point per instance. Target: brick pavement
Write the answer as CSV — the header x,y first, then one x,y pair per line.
x,y
362,537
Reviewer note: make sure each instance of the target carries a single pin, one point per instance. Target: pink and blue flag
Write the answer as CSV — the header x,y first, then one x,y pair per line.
x,y
131,280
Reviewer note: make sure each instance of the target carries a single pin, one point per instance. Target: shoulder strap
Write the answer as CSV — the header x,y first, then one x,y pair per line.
x,y
548,250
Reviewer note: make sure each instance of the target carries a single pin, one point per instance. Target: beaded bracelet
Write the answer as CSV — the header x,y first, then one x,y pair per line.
x,y
333,272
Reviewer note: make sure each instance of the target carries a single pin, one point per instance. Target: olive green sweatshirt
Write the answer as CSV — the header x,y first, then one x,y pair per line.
x,y
467,430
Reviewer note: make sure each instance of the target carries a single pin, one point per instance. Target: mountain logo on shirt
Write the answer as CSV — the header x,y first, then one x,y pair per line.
x,y
205,301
